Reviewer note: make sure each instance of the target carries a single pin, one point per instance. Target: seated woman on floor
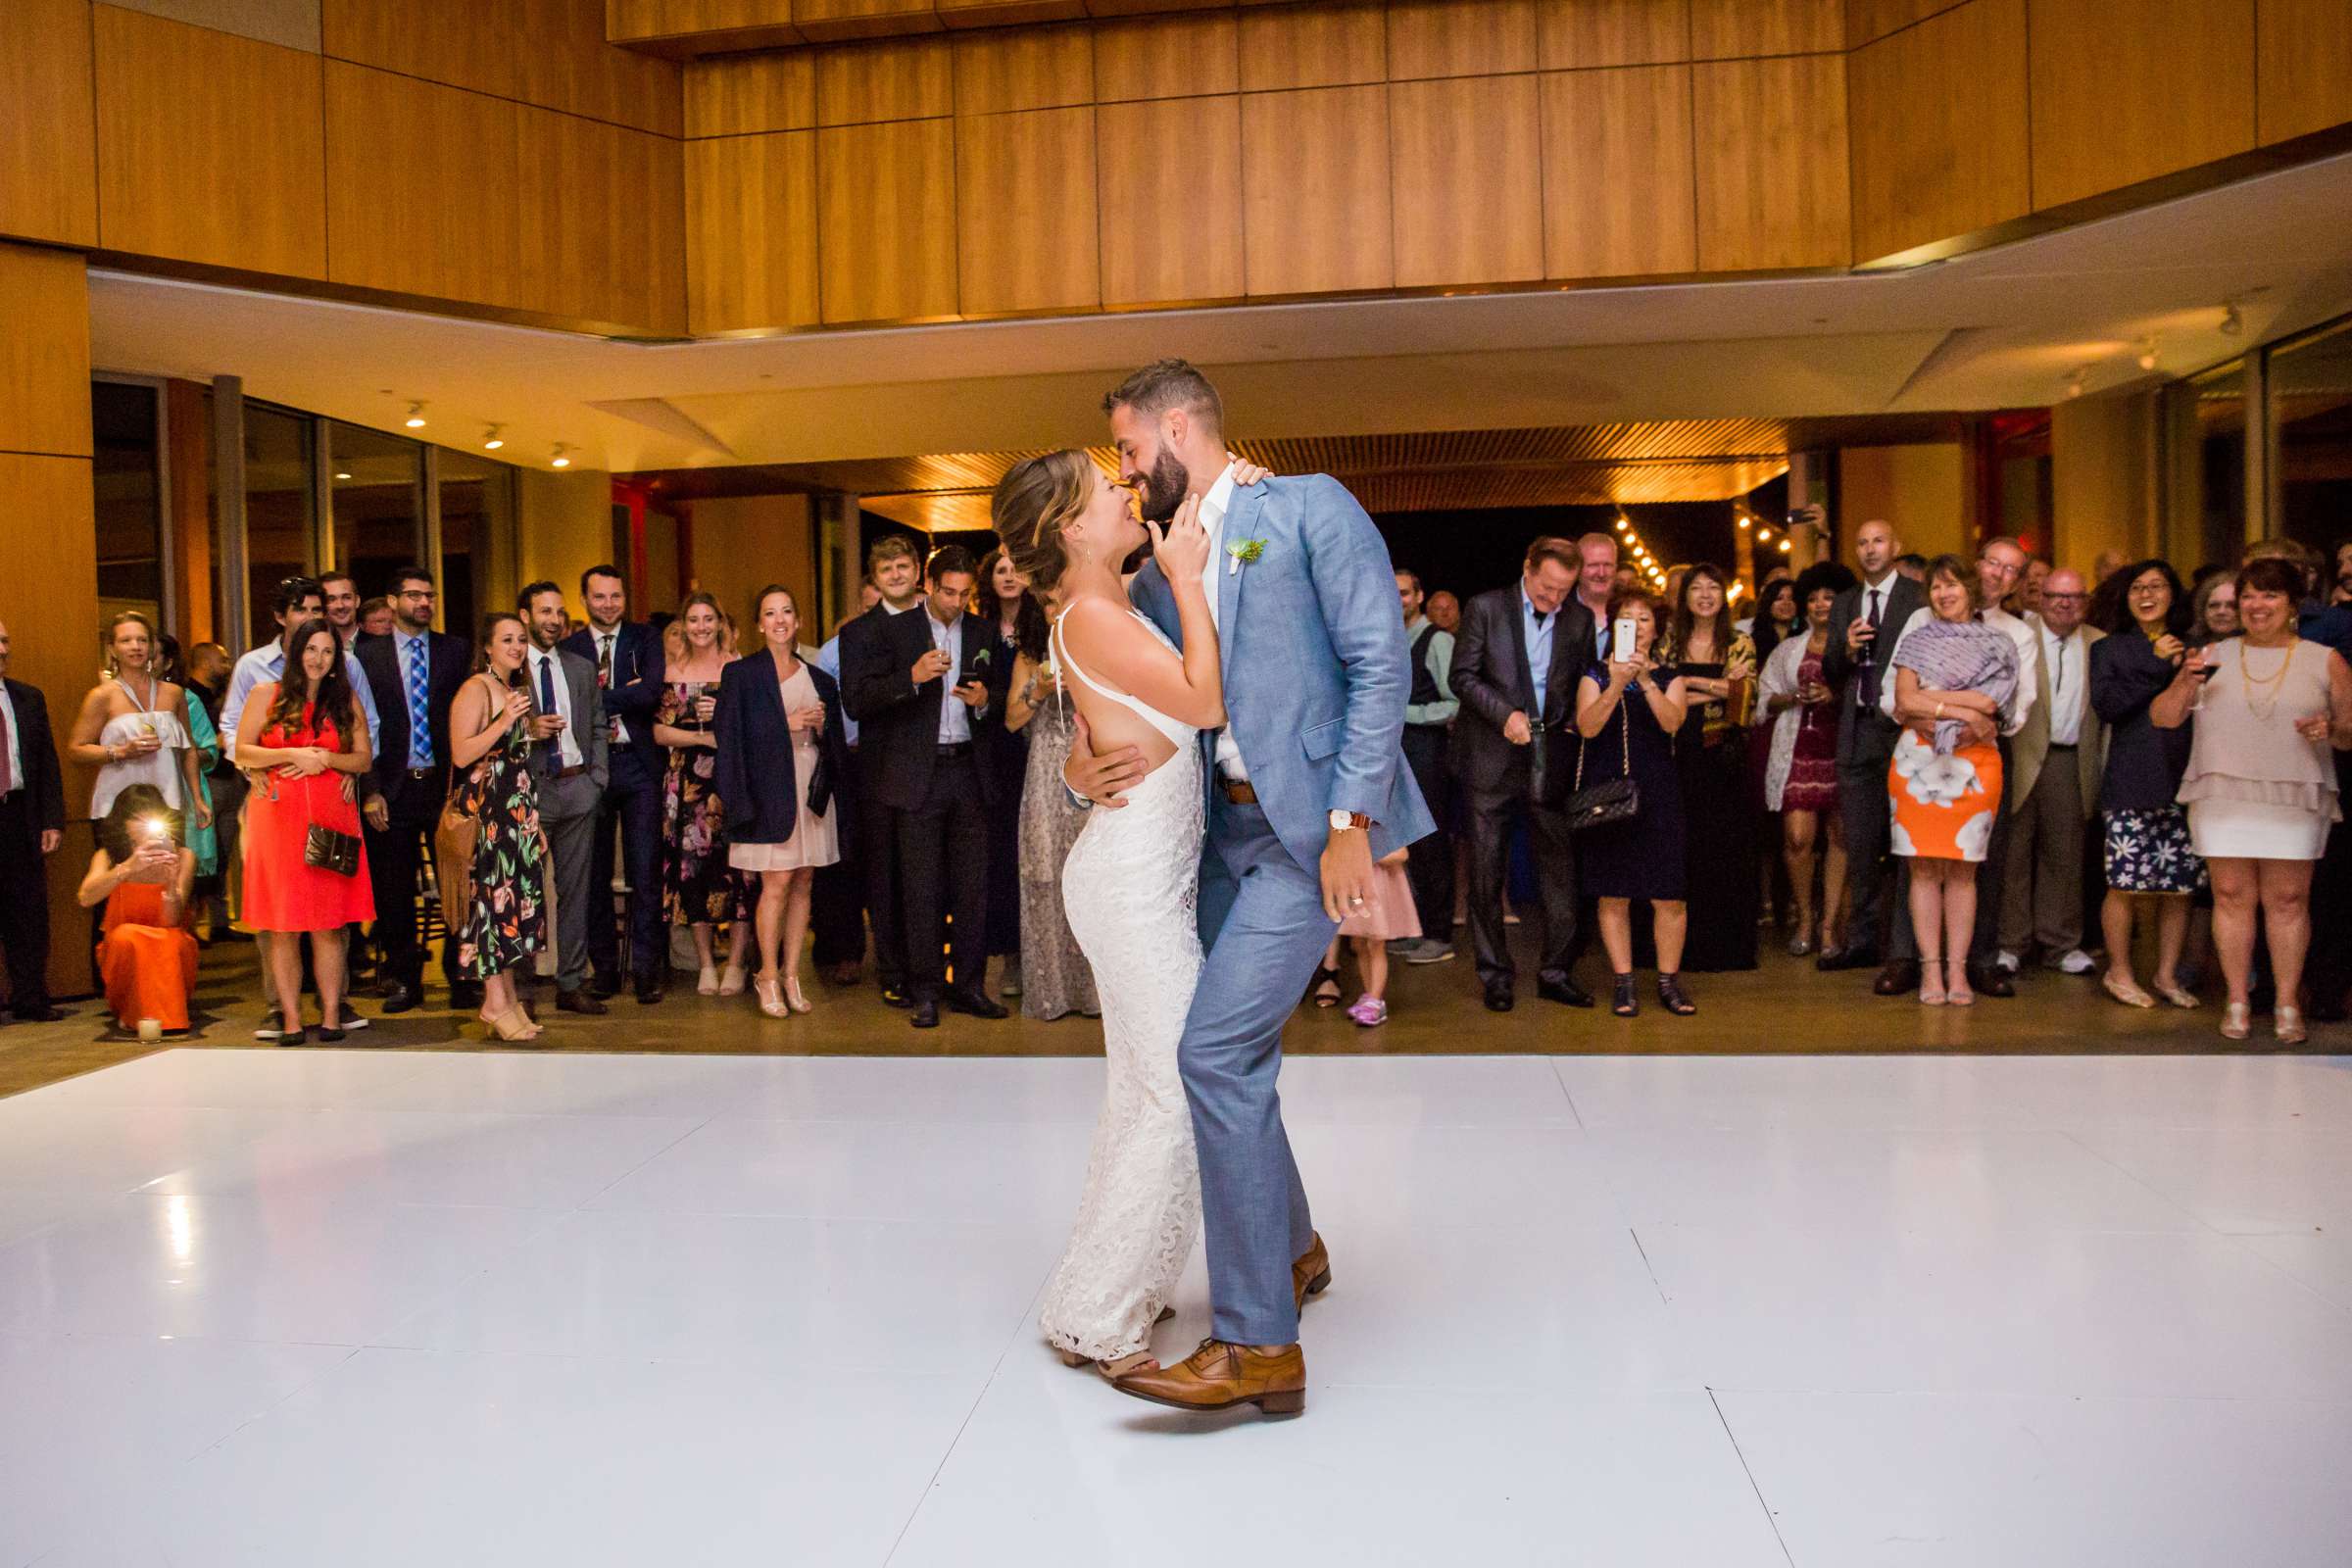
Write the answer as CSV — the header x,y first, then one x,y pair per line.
x,y
143,872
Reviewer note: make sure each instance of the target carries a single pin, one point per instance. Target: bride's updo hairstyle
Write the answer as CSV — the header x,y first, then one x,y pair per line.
x,y
1032,505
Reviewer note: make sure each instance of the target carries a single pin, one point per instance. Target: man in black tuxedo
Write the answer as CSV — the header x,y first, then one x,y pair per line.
x,y
920,690
1517,751
627,655
414,673
1877,924
32,825
898,576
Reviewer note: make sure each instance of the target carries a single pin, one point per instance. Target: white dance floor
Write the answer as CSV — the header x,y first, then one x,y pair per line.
x,y
350,1308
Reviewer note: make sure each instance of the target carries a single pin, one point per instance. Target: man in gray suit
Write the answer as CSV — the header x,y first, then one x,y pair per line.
x,y
569,761
1307,788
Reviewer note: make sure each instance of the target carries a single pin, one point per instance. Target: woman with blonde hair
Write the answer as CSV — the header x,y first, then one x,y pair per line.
x,y
700,890
134,728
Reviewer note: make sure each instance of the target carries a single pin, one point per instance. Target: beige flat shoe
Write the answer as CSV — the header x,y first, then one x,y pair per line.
x,y
731,983
2123,991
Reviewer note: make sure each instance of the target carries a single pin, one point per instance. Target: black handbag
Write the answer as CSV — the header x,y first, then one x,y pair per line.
x,y
821,784
1617,801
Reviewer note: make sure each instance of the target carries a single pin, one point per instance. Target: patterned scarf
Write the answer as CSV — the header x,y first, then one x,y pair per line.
x,y
1960,656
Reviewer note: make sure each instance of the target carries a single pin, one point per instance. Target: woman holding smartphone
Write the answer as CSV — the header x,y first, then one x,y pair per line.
x,y
2261,786
143,874
1628,712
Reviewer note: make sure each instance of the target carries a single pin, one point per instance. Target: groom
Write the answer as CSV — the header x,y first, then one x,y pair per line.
x,y
1306,791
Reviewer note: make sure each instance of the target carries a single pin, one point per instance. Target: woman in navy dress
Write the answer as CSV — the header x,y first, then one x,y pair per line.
x,y
1627,711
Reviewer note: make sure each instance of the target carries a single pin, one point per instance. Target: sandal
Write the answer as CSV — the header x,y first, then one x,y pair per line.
x,y
1955,988
2179,995
1622,1004
2124,992
1672,995
2238,1021
771,996
514,1024
1327,987
2286,1026
793,997
1931,983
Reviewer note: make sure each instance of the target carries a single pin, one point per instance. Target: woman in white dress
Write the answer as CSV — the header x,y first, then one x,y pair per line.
x,y
133,727
1130,886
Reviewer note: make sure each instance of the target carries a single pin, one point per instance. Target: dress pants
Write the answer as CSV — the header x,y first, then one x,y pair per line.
x,y
1992,876
395,856
1263,933
943,853
24,902
1492,814
1877,883
1429,863
632,801
885,914
569,809
837,893
2043,899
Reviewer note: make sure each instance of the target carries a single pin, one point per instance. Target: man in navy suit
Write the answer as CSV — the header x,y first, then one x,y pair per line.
x,y
32,825
414,673
627,655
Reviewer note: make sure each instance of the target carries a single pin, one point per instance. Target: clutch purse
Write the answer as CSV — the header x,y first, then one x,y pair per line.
x,y
821,784
330,851
1604,805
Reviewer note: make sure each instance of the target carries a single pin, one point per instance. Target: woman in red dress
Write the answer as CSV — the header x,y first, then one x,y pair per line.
x,y
143,872
305,743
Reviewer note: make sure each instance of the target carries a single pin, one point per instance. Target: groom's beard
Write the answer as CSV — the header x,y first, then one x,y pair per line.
x,y
1161,490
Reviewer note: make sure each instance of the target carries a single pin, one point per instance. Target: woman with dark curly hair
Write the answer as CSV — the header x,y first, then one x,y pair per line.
x,y
2151,866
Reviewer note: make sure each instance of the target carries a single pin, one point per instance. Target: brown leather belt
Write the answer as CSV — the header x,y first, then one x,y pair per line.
x,y
1238,791
573,771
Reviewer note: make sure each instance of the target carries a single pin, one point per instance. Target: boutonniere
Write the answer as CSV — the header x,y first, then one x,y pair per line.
x,y
981,658
1243,553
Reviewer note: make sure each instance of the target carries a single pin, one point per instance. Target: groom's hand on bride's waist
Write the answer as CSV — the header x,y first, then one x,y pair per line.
x,y
1100,779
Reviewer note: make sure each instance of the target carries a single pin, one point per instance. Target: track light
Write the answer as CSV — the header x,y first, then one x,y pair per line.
x,y
560,460
492,440
2077,380
342,475
2233,324
416,419
2147,354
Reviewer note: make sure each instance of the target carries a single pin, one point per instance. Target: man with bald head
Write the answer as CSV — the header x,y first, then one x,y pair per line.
x,y
1881,600
2056,762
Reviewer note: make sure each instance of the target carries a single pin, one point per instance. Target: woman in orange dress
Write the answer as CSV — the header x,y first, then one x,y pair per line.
x,y
1955,683
305,743
142,873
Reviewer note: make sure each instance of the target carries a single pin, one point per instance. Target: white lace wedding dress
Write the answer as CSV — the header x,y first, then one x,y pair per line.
x,y
1131,886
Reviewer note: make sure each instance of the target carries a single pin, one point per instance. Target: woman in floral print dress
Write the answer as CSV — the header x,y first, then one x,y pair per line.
x,y
505,917
699,889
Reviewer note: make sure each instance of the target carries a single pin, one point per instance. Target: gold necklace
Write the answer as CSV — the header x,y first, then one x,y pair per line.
x,y
2271,684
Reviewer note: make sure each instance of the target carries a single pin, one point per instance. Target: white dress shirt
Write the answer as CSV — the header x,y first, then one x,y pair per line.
x,y
568,743
1214,507
15,747
955,720
2068,659
2028,657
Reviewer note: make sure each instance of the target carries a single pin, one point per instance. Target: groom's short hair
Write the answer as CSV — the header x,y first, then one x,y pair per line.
x,y
1166,384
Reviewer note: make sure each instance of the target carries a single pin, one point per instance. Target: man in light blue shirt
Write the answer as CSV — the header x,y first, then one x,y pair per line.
x,y
299,598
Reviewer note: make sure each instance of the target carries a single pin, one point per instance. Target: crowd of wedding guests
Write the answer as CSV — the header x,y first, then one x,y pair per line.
x,y
1952,771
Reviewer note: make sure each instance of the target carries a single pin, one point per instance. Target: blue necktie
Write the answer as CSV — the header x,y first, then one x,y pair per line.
x,y
420,729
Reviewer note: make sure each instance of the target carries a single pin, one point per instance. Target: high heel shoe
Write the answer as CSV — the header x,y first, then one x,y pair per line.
x,y
1955,984
705,984
731,983
1624,1004
2286,1026
771,997
793,995
2238,1021
515,1025
1672,997
1327,987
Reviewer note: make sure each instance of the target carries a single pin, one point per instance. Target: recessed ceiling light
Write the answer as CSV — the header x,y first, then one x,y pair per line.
x,y
342,475
2147,353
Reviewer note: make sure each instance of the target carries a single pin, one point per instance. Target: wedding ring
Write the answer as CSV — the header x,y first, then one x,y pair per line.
x,y
1359,902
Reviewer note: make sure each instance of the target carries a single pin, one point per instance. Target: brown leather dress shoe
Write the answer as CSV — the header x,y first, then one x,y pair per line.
x,y
1219,1376
1310,1272
1899,976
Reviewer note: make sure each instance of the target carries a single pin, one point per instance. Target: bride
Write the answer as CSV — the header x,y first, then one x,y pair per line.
x,y
1129,885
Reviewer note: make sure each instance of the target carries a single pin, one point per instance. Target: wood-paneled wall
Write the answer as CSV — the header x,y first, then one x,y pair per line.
x,y
2115,105
1940,137
49,553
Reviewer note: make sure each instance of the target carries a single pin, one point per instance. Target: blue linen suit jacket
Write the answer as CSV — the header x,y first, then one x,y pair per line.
x,y
1316,665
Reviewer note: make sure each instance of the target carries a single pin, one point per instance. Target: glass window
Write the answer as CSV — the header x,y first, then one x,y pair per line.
x,y
2311,407
281,500
124,430
477,521
2205,441
378,505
